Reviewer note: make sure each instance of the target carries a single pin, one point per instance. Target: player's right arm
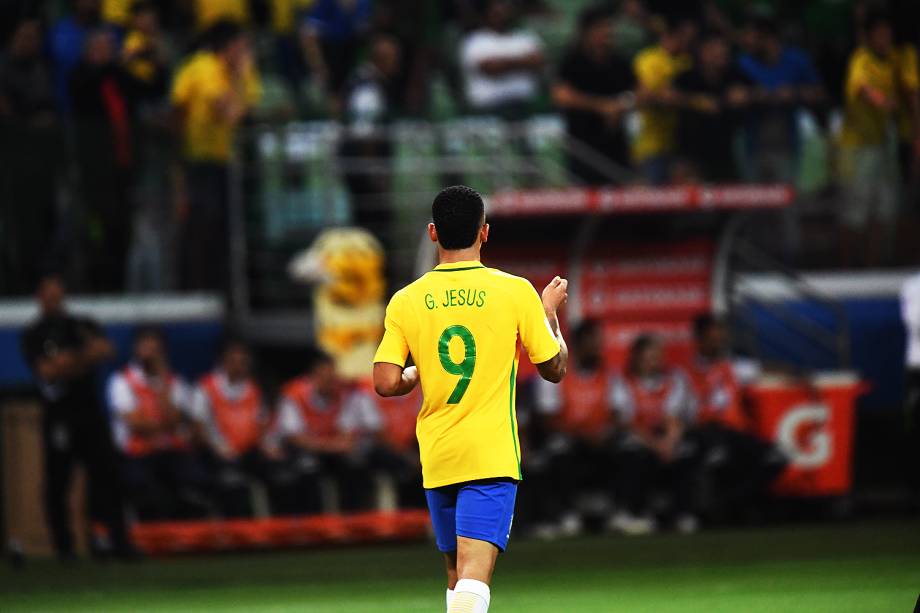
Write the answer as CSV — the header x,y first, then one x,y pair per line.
x,y
391,376
540,333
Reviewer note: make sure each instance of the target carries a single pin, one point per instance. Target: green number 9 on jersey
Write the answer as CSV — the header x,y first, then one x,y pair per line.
x,y
462,369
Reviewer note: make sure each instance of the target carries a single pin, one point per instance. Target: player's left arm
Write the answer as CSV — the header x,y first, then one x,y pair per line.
x,y
391,376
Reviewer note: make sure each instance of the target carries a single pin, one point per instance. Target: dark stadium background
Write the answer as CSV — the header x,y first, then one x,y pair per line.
x,y
783,198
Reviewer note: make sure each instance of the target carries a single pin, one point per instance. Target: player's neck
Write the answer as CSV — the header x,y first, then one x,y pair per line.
x,y
452,256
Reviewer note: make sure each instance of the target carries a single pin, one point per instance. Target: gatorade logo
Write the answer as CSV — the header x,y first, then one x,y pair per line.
x,y
802,433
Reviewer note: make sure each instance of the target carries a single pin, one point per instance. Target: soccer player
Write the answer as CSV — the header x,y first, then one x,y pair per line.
x,y
462,323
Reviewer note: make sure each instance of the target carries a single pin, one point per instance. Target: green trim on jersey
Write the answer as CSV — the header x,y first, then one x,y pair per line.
x,y
456,269
517,453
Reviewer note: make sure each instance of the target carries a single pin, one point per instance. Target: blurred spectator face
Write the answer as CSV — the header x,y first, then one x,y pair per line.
x,y
27,40
715,54
749,39
713,340
236,362
50,295
88,10
149,352
386,56
236,52
650,360
633,9
685,33
598,38
325,379
146,20
100,49
588,345
880,38
499,15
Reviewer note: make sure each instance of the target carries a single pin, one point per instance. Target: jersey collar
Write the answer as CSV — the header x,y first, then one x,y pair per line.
x,y
457,266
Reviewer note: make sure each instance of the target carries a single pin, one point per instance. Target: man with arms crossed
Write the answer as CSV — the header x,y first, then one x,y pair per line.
x,y
462,323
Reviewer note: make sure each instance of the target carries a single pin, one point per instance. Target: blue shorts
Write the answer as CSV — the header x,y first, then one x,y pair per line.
x,y
481,510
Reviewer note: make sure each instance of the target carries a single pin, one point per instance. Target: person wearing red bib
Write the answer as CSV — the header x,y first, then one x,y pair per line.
x,y
651,402
231,420
577,423
148,404
324,428
738,465
396,450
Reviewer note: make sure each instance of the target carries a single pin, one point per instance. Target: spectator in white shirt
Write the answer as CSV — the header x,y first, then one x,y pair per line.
x,y
149,408
501,66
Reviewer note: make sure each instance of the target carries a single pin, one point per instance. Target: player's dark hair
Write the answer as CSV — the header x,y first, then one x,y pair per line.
x,y
47,277
703,323
640,345
593,15
458,213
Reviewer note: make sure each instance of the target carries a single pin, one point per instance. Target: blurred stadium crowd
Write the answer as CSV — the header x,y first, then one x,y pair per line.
x,y
119,116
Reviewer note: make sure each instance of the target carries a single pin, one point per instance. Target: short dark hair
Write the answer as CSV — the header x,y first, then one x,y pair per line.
x,y
222,34
593,15
141,6
703,323
320,358
233,342
149,331
458,213
876,18
585,329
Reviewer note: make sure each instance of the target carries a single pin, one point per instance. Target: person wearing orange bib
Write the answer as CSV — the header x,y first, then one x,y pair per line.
x,y
148,404
230,418
396,451
578,421
739,465
324,428
651,402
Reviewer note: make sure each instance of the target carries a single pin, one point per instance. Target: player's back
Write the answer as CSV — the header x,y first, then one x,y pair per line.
x,y
462,324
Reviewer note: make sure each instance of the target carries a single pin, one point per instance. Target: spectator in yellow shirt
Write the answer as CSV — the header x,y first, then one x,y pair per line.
x,y
868,164
656,68
212,93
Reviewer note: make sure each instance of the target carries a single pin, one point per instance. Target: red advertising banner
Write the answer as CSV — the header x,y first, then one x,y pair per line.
x,y
815,432
639,199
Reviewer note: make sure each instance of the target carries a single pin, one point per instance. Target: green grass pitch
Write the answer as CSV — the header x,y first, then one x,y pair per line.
x,y
841,567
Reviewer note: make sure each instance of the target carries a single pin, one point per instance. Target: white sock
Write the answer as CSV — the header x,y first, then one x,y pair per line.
x,y
470,596
450,596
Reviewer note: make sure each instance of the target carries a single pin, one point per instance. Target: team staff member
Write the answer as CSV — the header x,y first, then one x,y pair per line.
x,y
651,402
212,93
463,323
323,425
580,424
396,451
742,465
64,352
148,404
231,421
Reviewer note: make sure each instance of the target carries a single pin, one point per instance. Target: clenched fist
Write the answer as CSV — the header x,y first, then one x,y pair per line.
x,y
555,294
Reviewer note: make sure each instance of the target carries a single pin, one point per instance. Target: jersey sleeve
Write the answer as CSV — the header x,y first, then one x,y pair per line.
x,y
534,330
394,348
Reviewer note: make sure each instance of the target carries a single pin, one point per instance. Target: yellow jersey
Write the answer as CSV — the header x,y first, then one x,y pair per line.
x,y
655,69
864,124
463,324
208,12
198,87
